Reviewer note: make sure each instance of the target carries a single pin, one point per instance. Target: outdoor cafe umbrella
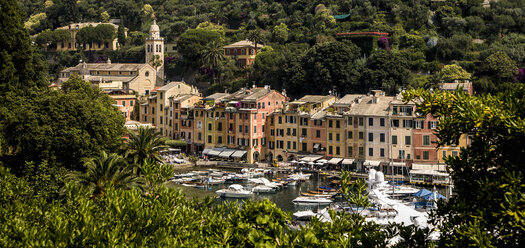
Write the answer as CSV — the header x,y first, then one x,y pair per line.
x,y
433,196
422,192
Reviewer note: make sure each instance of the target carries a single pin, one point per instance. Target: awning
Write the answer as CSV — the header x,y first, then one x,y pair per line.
x,y
216,151
226,153
335,160
316,146
206,151
428,172
238,154
372,163
398,164
437,167
310,158
348,161
322,161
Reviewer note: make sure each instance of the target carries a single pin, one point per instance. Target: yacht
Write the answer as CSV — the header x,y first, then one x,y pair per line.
x,y
234,191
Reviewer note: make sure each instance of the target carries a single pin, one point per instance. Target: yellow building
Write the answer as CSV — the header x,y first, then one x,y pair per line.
x,y
73,44
115,76
243,52
290,139
164,114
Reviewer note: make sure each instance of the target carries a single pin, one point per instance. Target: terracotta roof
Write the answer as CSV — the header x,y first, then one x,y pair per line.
x,y
367,106
313,99
243,43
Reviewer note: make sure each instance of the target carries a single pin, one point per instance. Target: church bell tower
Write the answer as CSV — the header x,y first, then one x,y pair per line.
x,y
154,47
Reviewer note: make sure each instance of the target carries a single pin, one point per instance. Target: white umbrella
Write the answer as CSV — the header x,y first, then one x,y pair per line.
x,y
302,162
322,161
311,163
293,161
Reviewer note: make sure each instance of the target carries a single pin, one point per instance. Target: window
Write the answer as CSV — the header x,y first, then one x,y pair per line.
x,y
280,120
407,123
370,137
288,131
350,134
231,116
394,139
161,120
288,144
219,139
337,150
401,154
337,137
254,129
199,135
337,124
246,130
330,124
418,124
209,126
124,103
361,135
408,140
303,132
370,121
432,124
425,155
361,151
382,152
330,150
209,138
361,121
219,127
426,140
304,147
318,133
454,153
255,142
262,129
350,151
294,145
240,128
370,152
294,132
258,105
330,136
382,122
444,154
395,123
381,137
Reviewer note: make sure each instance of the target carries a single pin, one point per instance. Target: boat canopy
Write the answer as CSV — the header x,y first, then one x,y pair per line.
x,y
310,158
236,187
422,192
238,154
335,160
226,153
348,161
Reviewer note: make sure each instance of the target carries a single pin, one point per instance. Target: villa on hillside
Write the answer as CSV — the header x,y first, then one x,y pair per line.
x,y
243,52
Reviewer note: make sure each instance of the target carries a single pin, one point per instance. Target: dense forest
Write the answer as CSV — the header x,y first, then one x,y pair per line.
x,y
486,40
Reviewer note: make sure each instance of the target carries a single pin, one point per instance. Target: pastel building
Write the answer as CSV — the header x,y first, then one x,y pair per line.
x,y
72,44
402,117
243,52
288,140
125,100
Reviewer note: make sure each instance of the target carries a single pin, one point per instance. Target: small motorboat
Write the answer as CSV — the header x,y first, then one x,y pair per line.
x,y
263,189
234,191
311,200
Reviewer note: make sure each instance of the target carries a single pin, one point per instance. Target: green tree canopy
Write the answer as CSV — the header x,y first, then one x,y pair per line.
x,y
489,205
501,65
99,33
385,70
453,72
61,127
193,42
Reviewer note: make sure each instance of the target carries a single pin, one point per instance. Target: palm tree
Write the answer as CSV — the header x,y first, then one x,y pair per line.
x,y
107,171
146,144
256,37
212,55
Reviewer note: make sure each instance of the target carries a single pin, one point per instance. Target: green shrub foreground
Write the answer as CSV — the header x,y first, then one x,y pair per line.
x,y
165,219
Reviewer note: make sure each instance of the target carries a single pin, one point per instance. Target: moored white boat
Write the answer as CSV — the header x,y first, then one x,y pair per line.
x,y
234,191
263,189
311,200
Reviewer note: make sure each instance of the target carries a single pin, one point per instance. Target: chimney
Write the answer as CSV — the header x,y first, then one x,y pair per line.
x,y
284,92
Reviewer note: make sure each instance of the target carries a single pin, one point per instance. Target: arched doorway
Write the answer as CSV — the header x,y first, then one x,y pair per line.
x,y
290,158
256,157
279,158
270,157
